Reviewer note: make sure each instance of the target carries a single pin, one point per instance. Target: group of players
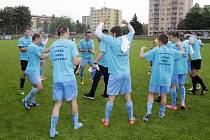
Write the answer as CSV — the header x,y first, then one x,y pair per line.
x,y
169,68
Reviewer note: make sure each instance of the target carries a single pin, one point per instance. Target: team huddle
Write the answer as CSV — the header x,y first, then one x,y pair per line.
x,y
171,60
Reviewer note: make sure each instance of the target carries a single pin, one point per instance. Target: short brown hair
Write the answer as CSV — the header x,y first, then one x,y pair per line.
x,y
88,32
27,28
163,38
117,30
35,36
61,30
105,31
175,34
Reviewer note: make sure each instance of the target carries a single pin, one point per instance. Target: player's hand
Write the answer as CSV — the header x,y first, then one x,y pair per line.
x,y
143,48
125,22
179,44
94,65
103,19
80,60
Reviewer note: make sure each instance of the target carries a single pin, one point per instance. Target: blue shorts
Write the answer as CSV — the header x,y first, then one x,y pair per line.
x,y
178,79
159,89
34,78
89,61
119,84
65,90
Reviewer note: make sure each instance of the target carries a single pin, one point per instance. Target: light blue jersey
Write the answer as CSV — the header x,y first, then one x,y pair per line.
x,y
104,59
42,44
169,44
118,62
196,47
61,55
33,53
24,42
86,45
184,58
178,62
163,64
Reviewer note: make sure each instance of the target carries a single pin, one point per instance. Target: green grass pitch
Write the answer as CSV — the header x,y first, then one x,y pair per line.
x,y
18,124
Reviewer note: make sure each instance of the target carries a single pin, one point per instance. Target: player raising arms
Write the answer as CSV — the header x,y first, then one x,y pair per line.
x,y
118,47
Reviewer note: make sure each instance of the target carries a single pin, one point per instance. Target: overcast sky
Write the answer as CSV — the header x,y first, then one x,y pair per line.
x,y
78,8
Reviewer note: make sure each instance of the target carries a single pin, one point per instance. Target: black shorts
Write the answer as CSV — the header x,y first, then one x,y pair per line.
x,y
23,64
195,64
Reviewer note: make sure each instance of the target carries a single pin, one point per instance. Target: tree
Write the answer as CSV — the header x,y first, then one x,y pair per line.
x,y
125,30
22,18
15,19
7,20
78,27
62,21
206,18
46,26
145,29
197,19
136,25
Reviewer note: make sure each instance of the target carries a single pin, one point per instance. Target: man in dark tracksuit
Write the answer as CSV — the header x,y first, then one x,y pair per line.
x,y
102,63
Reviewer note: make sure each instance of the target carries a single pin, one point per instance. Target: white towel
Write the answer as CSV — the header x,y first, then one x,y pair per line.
x,y
192,40
191,49
125,46
93,69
